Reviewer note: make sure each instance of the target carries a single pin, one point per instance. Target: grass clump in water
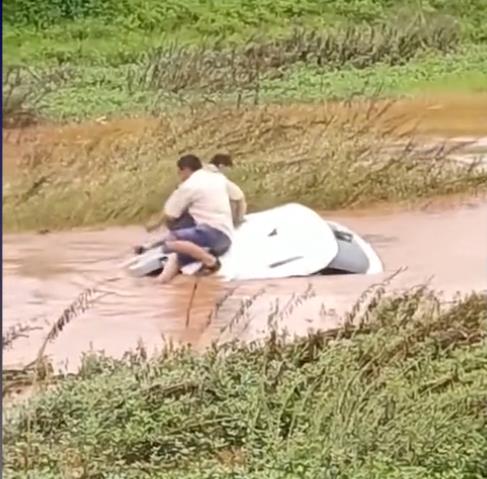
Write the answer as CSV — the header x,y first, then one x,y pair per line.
x,y
330,155
399,392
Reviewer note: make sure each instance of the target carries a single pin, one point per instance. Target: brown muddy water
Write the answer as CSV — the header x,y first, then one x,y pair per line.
x,y
43,274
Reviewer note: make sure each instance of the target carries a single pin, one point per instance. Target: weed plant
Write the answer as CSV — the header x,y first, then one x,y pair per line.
x,y
326,156
399,391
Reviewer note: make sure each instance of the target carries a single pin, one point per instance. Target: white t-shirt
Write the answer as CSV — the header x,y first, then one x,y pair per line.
x,y
234,191
206,197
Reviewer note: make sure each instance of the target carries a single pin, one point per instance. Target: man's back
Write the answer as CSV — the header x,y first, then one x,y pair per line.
x,y
238,204
205,196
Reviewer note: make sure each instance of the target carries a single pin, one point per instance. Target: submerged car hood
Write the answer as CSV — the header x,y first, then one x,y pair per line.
x,y
290,240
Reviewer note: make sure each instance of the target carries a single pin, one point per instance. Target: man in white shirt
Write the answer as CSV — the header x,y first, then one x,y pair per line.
x,y
206,198
218,164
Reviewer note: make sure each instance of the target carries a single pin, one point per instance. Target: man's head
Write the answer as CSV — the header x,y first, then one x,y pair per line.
x,y
187,165
222,160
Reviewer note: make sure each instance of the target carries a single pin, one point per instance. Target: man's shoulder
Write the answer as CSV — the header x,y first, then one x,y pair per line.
x,y
212,168
199,175
203,177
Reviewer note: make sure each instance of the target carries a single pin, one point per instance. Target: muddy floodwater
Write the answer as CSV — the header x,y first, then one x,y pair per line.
x,y
43,274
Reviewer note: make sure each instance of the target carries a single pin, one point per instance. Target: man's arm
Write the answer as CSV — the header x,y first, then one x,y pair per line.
x,y
234,191
161,219
175,206
155,222
237,202
239,209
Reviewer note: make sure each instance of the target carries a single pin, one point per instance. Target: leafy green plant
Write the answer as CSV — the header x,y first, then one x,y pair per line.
x,y
24,90
400,391
224,18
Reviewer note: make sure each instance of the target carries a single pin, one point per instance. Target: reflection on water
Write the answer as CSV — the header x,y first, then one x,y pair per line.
x,y
43,274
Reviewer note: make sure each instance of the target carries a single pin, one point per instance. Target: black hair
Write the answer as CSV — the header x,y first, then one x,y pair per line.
x,y
222,159
189,162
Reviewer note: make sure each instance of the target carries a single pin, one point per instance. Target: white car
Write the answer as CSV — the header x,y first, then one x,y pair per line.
x,y
290,240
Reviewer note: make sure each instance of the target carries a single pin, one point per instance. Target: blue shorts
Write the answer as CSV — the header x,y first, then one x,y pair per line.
x,y
215,241
184,221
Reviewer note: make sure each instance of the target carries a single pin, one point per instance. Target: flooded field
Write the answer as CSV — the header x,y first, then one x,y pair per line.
x,y
444,242
444,116
43,274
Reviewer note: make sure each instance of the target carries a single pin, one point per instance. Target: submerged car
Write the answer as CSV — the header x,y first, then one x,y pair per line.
x,y
290,240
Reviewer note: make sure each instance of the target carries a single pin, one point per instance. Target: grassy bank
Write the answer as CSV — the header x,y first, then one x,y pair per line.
x,y
400,395
332,155
36,28
77,64
156,85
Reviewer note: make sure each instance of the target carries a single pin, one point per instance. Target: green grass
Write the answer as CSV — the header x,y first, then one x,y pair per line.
x,y
75,42
457,72
401,395
146,58
105,91
399,55
83,19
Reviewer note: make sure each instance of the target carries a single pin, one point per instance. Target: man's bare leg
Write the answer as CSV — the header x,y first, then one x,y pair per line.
x,y
171,269
193,250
